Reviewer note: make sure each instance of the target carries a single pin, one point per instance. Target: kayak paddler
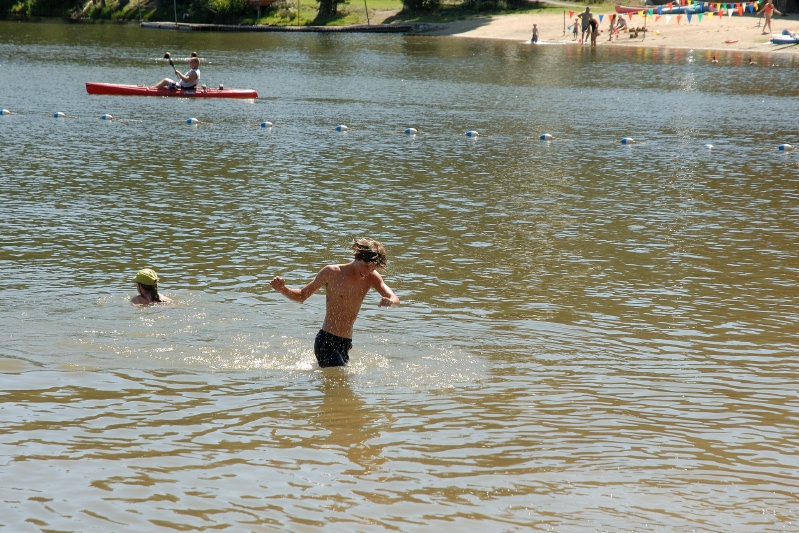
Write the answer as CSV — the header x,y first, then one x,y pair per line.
x,y
190,80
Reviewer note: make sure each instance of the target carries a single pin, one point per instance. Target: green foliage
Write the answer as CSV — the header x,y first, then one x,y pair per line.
x,y
218,11
485,6
44,8
420,6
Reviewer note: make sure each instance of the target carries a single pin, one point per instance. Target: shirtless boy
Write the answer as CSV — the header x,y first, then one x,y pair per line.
x,y
346,286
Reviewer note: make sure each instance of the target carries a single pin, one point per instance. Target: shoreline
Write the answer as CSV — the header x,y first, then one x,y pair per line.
x,y
723,34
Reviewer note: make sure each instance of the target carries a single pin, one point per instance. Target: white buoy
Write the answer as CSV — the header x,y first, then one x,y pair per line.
x,y
59,114
5,112
546,137
342,127
106,117
709,146
411,131
266,124
192,121
472,133
785,147
627,140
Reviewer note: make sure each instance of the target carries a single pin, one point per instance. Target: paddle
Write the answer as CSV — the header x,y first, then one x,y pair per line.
x,y
171,64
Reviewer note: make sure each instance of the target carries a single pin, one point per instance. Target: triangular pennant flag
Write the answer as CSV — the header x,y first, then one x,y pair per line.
x,y
657,18
678,18
668,19
699,15
740,10
630,16
710,15
729,12
660,10
689,18
600,17
571,14
750,8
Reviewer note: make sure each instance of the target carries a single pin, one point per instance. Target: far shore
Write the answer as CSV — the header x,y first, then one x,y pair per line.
x,y
717,33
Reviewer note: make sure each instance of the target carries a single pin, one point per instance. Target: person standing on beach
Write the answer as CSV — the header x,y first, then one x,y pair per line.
x,y
594,23
611,27
585,20
768,10
346,286
534,38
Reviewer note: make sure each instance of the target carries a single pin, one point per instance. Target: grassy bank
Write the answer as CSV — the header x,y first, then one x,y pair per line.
x,y
279,13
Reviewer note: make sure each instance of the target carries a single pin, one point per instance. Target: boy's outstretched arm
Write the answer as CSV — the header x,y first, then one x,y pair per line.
x,y
300,295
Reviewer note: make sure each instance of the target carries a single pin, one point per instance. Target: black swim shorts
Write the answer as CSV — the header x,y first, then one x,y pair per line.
x,y
331,350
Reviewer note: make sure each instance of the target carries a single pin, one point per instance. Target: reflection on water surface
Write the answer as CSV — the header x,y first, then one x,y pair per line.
x,y
592,337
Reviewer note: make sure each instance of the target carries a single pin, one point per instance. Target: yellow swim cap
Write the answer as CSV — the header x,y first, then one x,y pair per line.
x,y
146,276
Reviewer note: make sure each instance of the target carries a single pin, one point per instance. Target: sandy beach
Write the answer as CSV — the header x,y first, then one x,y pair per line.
x,y
705,32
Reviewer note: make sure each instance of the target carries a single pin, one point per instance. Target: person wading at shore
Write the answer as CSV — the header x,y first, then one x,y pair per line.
x,y
594,23
346,286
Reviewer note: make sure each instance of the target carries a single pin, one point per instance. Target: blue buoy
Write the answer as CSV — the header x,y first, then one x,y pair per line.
x,y
341,127
627,140
411,131
5,112
546,137
192,121
106,117
472,133
266,124
59,114
785,147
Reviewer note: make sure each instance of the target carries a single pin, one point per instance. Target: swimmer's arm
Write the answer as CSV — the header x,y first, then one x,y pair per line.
x,y
388,297
300,295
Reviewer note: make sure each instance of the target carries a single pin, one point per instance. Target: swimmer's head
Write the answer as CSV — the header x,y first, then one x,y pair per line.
x,y
146,277
369,251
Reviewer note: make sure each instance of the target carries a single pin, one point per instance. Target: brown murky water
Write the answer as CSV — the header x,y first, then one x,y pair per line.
x,y
593,336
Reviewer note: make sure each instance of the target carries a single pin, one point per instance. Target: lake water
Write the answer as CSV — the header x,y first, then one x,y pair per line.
x,y
592,337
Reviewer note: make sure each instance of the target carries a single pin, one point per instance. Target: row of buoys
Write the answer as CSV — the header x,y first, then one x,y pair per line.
x,y
408,131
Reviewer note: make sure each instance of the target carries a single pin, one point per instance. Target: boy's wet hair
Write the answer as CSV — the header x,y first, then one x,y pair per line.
x,y
369,251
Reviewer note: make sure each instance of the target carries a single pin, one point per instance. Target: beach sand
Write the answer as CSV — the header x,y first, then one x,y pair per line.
x,y
726,33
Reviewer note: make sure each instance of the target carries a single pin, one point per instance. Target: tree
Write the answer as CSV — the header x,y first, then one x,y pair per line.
x,y
327,9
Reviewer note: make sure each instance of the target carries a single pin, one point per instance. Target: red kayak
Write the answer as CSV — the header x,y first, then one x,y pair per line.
x,y
144,90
